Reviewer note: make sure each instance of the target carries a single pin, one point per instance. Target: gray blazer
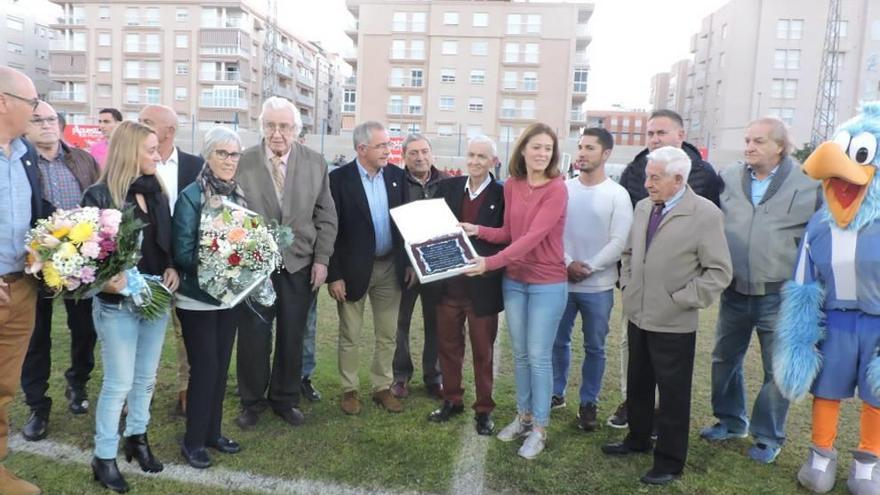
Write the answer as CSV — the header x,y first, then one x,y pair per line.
x,y
307,207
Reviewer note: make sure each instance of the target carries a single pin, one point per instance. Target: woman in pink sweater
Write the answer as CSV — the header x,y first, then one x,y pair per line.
x,y
534,284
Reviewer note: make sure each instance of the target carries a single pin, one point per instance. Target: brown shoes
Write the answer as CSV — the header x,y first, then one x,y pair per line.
x,y
11,484
386,400
350,403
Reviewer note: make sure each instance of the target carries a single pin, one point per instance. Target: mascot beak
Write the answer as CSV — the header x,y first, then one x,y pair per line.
x,y
844,181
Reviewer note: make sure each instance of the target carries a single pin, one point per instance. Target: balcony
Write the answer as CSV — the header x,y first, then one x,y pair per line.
x,y
67,97
350,82
221,76
305,80
523,59
307,120
523,29
516,113
580,59
578,117
223,102
142,99
285,93
400,109
408,27
284,71
406,82
224,50
142,48
348,108
66,46
350,56
522,86
71,20
151,74
406,54
351,30
302,99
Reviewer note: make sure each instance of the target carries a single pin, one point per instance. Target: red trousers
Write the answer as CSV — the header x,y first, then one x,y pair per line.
x,y
451,316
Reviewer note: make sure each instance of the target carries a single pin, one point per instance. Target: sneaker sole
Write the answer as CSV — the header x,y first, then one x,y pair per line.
x,y
558,406
615,425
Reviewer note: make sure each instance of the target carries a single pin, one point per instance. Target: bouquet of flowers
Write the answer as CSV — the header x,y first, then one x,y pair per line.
x,y
238,251
75,252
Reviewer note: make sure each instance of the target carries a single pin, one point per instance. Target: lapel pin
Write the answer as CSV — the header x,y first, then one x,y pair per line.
x,y
27,163
492,207
394,184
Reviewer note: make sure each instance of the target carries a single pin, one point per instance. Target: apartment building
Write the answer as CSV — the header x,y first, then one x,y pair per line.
x,y
205,59
753,58
660,90
25,37
627,127
454,67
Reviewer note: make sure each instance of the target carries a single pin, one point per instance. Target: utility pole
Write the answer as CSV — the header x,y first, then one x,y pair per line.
x,y
826,96
270,50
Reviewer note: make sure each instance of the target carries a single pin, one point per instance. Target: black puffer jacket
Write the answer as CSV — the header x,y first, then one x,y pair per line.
x,y
703,178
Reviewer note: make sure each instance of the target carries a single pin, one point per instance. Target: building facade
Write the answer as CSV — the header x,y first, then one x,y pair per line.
x,y
660,90
627,127
24,39
454,67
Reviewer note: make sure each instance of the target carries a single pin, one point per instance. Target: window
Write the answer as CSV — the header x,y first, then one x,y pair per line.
x,y
447,75
789,29
104,65
530,81
210,18
721,60
132,16
450,18
527,109
132,42
787,59
419,22
416,78
15,23
348,100
180,93
16,48
152,43
478,76
507,134
718,88
415,105
724,31
784,88
41,54
533,24
181,41
417,49
132,69
103,13
509,80
395,104
450,48
104,90
131,94
784,114
447,103
511,52
842,28
481,19
413,128
398,21
444,130
398,48
479,48
152,95
152,16
531,54
181,14
79,41
104,39
181,68
508,108
394,128
580,80
475,104
514,23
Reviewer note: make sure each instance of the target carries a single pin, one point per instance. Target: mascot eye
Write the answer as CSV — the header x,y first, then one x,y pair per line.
x,y
863,147
842,139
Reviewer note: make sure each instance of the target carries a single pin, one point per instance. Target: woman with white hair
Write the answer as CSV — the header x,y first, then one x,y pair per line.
x,y
208,325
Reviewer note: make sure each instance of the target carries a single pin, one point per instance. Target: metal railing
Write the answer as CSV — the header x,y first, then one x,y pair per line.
x,y
67,96
394,109
406,82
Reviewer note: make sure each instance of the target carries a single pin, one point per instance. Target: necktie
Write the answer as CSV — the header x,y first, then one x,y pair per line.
x,y
654,222
277,175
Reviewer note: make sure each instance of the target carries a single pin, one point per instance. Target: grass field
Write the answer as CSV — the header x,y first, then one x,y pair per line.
x,y
405,453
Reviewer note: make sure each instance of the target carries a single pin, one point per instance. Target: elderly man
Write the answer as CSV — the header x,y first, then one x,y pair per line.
x,y
475,198
108,120
368,260
675,262
767,203
286,182
21,204
65,173
422,179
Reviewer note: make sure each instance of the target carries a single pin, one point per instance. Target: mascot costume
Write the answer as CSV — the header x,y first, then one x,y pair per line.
x,y
828,334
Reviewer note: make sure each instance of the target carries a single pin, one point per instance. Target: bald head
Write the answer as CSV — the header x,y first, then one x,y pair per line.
x,y
163,120
17,97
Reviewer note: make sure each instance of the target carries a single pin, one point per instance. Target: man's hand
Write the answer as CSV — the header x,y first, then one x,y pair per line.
x,y
478,268
470,229
319,275
4,292
337,290
409,278
171,279
578,271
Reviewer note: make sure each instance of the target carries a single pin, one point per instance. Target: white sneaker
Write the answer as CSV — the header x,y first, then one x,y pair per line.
x,y
514,430
533,445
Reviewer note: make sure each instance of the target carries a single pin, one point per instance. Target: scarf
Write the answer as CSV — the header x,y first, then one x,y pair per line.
x,y
157,208
213,186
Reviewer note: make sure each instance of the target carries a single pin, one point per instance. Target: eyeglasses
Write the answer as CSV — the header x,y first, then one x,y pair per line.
x,y
39,121
380,146
33,102
271,127
223,154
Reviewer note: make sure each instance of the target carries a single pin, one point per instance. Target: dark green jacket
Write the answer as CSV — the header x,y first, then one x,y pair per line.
x,y
185,243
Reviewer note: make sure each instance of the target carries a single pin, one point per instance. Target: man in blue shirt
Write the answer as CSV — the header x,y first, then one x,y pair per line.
x,y
20,206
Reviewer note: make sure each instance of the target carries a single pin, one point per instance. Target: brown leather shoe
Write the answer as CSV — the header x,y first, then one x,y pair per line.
x,y
350,403
387,401
11,484
400,390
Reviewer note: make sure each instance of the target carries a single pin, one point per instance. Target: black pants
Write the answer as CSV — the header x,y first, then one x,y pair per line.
x,y
664,360
402,363
208,337
38,360
255,377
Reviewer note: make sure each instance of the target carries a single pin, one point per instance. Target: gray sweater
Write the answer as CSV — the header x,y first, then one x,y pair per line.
x,y
764,238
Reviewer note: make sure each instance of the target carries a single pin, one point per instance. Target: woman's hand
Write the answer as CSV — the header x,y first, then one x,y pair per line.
x,y
170,279
470,229
115,284
478,268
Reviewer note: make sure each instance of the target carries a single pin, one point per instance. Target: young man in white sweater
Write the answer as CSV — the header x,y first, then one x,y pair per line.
x,y
596,228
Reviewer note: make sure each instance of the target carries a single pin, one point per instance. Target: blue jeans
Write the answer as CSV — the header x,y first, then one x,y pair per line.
x,y
533,312
130,351
308,366
737,316
595,310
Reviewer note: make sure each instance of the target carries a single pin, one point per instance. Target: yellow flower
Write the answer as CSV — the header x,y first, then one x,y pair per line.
x,y
67,250
51,276
81,232
60,232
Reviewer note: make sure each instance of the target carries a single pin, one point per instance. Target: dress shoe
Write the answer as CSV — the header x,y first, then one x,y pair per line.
x,y
197,458
654,478
621,448
435,390
247,418
137,447
106,472
387,401
77,400
485,425
291,416
13,485
400,390
446,411
37,426
350,404
225,445
308,390
180,407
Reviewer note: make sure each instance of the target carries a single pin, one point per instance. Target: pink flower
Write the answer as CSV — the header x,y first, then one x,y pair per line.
x,y
90,249
111,218
107,246
87,274
71,283
50,241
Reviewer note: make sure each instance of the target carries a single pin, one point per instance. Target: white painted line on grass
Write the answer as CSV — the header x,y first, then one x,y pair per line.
x,y
215,477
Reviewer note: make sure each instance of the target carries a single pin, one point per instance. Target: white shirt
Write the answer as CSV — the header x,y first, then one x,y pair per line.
x,y
597,224
167,172
473,195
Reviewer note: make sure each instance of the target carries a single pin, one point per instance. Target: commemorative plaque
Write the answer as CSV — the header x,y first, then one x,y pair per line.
x,y
435,245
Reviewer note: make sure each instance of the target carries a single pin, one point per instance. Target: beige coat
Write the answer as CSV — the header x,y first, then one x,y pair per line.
x,y
307,206
685,269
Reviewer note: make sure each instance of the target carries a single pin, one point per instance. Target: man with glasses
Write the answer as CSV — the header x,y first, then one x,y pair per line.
x,y
21,204
176,171
286,182
108,120
65,173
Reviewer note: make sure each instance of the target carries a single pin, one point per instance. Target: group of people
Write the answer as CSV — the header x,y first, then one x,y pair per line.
x,y
673,235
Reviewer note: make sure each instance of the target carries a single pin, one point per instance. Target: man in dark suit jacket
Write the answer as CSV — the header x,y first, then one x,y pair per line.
x,y
478,199
176,170
368,259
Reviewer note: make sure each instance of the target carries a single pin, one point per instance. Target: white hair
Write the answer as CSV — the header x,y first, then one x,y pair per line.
x,y
278,103
677,161
219,135
482,138
363,132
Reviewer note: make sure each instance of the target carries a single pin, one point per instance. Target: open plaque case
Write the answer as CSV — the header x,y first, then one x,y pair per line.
x,y
435,245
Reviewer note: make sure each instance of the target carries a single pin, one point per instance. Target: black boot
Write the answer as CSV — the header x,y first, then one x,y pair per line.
x,y
107,473
136,446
